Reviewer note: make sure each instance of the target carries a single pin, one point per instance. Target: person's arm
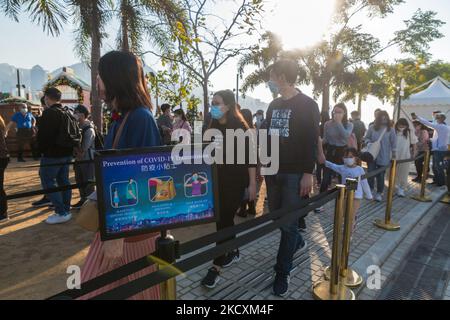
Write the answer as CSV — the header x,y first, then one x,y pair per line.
x,y
320,154
334,167
308,138
345,132
252,184
33,121
428,123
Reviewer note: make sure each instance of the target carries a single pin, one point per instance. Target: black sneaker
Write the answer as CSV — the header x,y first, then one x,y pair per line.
x,y
42,203
281,285
21,160
4,218
231,258
79,204
211,279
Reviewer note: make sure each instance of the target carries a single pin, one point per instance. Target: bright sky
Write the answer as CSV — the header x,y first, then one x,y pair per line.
x,y
300,23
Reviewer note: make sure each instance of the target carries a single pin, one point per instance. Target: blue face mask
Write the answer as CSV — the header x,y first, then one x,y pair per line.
x,y
216,112
273,87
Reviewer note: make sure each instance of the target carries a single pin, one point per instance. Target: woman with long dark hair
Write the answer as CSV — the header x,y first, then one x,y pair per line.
x,y
4,160
122,85
233,178
406,149
336,133
180,122
381,130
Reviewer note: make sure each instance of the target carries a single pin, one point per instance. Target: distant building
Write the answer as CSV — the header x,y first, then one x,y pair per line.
x,y
74,90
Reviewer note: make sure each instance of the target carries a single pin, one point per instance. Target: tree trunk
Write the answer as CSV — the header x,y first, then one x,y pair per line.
x,y
124,26
205,98
359,103
97,112
326,101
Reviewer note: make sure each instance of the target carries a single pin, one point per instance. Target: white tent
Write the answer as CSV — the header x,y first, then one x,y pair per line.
x,y
435,98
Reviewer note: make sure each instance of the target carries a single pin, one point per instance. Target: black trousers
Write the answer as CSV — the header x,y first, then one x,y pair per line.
x,y
3,202
230,198
420,164
24,136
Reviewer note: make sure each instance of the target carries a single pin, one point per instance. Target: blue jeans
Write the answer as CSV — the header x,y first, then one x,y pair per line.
x,y
372,166
283,191
439,167
57,176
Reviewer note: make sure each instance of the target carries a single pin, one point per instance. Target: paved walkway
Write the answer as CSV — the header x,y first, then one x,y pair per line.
x,y
252,277
425,273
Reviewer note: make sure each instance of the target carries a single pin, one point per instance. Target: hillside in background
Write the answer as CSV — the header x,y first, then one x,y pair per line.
x,y
36,77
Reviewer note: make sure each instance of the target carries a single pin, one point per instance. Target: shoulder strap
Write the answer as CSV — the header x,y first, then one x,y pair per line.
x,y
382,135
119,131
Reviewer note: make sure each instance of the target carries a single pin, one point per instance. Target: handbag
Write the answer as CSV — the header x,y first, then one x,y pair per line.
x,y
88,216
373,148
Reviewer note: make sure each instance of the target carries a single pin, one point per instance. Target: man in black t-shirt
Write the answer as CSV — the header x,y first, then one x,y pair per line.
x,y
294,118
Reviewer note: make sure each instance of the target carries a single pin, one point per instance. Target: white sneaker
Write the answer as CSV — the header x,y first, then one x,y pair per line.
x,y
378,197
58,219
401,193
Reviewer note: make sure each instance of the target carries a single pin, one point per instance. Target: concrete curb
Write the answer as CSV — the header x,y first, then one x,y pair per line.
x,y
383,248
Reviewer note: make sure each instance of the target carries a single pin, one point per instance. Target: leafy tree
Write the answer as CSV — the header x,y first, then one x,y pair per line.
x,y
203,48
339,61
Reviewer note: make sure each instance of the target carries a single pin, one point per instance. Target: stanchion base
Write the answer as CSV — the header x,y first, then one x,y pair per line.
x,y
422,199
352,280
391,226
446,199
321,291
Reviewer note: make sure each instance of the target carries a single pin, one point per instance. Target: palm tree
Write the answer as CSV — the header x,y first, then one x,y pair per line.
x,y
262,58
154,18
50,14
91,16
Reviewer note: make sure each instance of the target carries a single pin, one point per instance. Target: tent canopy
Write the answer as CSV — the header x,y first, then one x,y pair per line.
x,y
437,94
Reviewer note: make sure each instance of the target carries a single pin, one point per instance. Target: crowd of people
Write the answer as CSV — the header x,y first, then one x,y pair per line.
x,y
310,143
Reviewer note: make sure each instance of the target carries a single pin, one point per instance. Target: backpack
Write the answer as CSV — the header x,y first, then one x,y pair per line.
x,y
69,134
99,141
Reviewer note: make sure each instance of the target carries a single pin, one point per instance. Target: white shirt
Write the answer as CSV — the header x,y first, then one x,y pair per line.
x,y
441,134
354,173
404,145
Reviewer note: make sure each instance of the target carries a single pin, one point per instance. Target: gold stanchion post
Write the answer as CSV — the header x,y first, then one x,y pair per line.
x,y
387,224
422,196
350,278
333,289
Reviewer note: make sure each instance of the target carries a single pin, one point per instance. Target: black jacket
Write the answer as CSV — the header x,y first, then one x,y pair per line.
x,y
296,121
48,131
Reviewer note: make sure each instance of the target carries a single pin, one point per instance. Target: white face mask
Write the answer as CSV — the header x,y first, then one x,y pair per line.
x,y
23,111
349,162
